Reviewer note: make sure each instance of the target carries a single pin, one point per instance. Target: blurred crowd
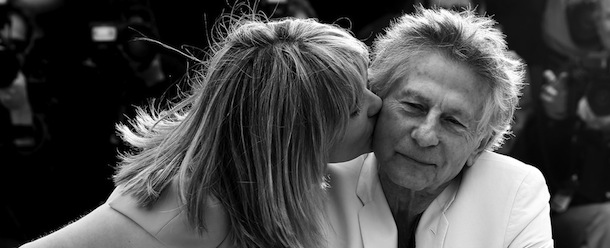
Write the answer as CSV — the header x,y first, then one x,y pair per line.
x,y
70,70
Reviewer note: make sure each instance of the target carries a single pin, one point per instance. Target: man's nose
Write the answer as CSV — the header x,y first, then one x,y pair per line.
x,y
426,134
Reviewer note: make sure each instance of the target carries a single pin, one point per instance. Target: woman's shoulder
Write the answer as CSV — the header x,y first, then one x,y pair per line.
x,y
102,227
166,219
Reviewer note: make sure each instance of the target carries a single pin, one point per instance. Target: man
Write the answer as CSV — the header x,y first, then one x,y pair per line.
x,y
449,89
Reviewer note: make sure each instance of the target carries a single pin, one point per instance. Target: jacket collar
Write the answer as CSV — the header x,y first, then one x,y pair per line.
x,y
377,225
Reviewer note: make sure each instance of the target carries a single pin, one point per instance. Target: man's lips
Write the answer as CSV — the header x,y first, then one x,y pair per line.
x,y
423,163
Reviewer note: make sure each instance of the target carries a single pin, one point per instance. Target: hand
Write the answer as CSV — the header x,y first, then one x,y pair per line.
x,y
594,122
15,99
554,95
15,95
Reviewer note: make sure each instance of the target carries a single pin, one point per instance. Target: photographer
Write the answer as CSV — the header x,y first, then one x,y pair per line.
x,y
16,112
575,127
23,126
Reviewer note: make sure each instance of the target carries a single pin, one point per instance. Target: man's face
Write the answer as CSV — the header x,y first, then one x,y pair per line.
x,y
425,132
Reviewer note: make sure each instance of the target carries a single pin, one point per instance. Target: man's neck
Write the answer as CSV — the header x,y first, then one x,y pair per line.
x,y
404,200
407,206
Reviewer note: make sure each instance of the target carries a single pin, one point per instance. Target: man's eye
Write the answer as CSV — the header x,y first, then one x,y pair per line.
x,y
414,107
454,121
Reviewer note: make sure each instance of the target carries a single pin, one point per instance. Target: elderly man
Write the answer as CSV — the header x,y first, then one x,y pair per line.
x,y
449,91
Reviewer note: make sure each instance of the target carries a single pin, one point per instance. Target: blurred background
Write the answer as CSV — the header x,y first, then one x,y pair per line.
x,y
69,70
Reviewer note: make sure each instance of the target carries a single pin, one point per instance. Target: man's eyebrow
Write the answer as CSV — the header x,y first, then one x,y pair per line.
x,y
412,94
460,114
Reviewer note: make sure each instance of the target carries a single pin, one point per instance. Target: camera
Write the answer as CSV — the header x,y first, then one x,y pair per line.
x,y
104,32
119,38
122,38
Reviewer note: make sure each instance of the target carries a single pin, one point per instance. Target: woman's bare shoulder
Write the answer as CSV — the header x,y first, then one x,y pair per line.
x,y
102,227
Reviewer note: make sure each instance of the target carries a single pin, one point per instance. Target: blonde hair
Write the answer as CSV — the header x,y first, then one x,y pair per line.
x,y
461,36
255,130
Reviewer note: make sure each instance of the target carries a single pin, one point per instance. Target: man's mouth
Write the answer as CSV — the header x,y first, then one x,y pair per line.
x,y
417,161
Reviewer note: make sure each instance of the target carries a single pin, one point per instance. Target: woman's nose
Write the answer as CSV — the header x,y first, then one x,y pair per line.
x,y
375,105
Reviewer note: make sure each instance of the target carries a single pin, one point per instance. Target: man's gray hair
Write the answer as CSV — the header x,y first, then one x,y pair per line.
x,y
460,36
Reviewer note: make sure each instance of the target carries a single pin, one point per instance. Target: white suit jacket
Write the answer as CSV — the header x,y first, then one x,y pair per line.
x,y
498,202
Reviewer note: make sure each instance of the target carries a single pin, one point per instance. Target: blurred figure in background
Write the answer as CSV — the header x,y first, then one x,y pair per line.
x,y
149,71
60,84
15,35
23,128
575,131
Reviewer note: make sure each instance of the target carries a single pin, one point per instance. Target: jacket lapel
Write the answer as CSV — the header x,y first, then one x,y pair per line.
x,y
433,225
377,225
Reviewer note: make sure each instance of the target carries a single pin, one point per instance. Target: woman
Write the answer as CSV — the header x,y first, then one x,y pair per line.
x,y
241,161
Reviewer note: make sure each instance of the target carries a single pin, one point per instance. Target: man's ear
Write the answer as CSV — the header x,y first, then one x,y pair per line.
x,y
477,152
